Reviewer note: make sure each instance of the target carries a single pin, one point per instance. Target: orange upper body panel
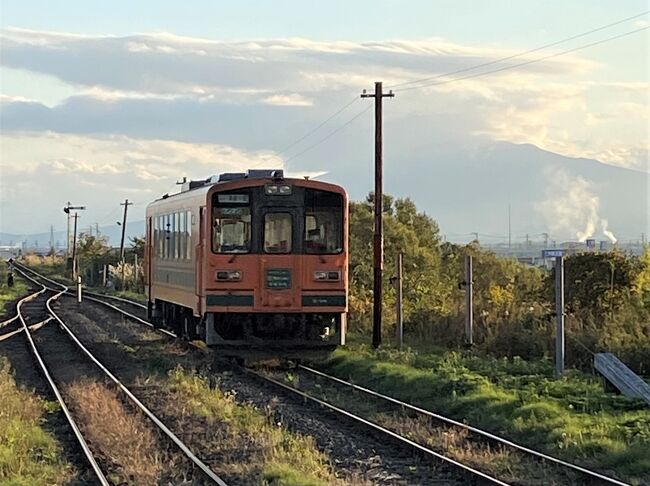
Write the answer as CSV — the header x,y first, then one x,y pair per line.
x,y
263,276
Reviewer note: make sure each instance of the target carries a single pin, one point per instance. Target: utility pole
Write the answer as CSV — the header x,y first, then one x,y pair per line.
x,y
559,313
545,240
475,237
66,209
378,237
126,205
469,301
52,239
97,229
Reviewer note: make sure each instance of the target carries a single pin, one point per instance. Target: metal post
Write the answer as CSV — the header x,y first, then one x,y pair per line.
x,y
469,301
104,275
79,289
67,241
559,312
400,317
378,236
74,247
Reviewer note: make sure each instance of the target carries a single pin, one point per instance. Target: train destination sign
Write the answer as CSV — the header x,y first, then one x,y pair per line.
x,y
552,253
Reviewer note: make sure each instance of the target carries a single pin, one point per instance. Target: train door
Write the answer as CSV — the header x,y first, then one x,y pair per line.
x,y
281,278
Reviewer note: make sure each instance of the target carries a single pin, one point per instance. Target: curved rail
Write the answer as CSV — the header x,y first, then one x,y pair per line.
x,y
488,435
173,437
484,433
75,428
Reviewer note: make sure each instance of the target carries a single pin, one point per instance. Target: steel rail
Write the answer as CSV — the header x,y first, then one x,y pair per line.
x,y
377,427
8,321
200,464
376,394
32,327
77,432
484,433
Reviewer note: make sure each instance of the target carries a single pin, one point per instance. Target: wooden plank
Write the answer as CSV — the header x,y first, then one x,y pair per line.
x,y
618,374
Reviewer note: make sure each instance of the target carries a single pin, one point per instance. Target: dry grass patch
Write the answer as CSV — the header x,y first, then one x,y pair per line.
x,y
28,454
257,446
121,437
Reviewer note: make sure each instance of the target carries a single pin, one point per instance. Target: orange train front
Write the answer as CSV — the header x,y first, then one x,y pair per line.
x,y
250,262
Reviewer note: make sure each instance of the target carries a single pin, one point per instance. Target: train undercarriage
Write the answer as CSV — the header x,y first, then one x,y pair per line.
x,y
281,335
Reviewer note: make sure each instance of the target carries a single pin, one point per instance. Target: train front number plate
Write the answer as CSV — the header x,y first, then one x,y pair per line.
x,y
278,278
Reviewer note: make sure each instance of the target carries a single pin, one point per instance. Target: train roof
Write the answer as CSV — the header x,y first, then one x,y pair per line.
x,y
250,178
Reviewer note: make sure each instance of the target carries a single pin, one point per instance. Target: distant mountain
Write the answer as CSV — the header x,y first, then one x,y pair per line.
x,y
42,240
469,190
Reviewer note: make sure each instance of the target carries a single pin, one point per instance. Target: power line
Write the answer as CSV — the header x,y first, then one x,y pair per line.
x,y
315,129
523,53
525,63
484,73
332,133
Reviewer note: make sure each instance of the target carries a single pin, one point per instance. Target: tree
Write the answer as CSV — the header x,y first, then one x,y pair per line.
x,y
137,246
406,231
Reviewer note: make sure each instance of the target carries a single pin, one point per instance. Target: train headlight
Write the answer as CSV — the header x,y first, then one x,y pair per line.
x,y
329,275
277,189
227,275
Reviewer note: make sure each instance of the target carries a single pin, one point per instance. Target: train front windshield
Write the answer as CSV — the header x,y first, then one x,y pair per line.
x,y
258,221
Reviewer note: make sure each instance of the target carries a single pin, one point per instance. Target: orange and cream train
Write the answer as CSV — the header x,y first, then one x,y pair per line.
x,y
250,262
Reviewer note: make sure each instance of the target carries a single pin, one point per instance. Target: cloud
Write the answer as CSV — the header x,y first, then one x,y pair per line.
x,y
165,63
99,171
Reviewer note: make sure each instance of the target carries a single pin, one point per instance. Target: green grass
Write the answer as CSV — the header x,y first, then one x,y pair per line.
x,y
571,417
9,294
284,458
28,454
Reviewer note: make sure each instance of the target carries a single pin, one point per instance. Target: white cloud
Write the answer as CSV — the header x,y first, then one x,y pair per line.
x,y
98,171
288,100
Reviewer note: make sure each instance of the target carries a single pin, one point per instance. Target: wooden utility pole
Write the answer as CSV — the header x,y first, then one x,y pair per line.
x,y
378,237
126,205
66,209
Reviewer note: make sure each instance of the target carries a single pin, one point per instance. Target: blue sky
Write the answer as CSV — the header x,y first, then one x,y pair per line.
x,y
142,93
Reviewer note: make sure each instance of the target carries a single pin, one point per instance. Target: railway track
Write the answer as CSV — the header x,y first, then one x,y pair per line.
x,y
322,384
61,357
572,474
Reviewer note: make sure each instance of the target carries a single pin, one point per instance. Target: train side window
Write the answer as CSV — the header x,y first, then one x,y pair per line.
x,y
181,235
176,235
278,232
161,236
323,222
188,232
167,236
154,234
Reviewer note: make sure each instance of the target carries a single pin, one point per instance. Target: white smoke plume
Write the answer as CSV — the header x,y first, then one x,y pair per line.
x,y
571,207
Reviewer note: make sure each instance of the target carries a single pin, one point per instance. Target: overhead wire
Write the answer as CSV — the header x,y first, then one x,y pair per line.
x,y
331,134
525,63
475,75
523,53
315,129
